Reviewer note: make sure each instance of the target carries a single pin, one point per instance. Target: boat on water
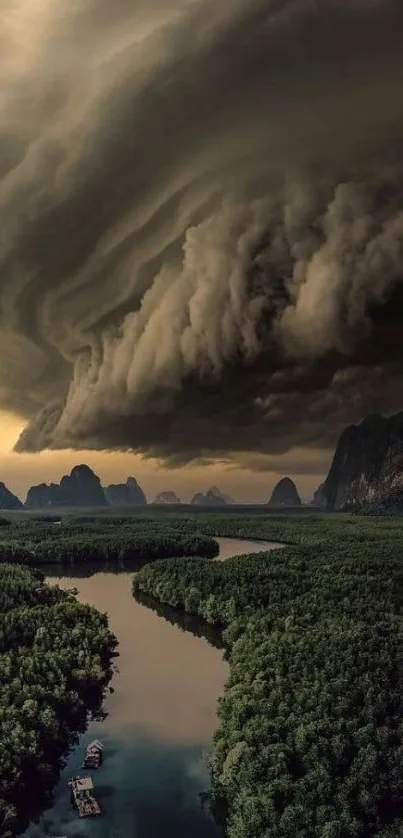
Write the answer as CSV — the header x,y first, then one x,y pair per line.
x,y
94,755
82,789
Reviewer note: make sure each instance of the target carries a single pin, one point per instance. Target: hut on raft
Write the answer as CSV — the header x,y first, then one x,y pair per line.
x,y
83,798
93,755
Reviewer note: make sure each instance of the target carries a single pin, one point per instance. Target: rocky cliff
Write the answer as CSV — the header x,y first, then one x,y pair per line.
x,y
7,499
317,499
367,468
285,494
82,488
79,488
126,494
41,496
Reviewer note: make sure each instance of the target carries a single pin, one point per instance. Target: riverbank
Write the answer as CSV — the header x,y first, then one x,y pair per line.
x,y
310,740
54,666
94,539
160,718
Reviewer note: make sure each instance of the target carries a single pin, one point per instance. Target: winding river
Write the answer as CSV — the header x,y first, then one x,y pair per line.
x,y
160,718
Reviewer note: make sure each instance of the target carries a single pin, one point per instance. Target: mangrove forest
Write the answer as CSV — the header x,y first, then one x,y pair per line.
x,y
310,736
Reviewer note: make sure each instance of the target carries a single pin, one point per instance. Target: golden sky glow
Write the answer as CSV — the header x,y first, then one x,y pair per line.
x,y
190,270
19,471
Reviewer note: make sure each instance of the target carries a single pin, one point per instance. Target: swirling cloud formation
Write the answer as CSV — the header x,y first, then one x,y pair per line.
x,y
201,222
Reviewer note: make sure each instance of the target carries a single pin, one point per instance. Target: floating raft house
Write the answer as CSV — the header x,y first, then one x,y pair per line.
x,y
83,798
93,755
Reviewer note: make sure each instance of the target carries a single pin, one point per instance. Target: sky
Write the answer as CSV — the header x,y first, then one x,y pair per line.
x,y
201,237
244,484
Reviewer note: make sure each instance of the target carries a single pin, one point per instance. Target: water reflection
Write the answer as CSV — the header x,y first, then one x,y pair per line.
x,y
83,570
186,622
146,789
231,547
160,718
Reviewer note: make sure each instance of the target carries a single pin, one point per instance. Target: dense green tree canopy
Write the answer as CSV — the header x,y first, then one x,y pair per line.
x,y
310,742
54,664
90,539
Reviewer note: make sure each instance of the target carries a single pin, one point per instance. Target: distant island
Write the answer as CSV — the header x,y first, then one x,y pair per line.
x,y
7,499
81,488
167,497
285,494
213,497
366,475
126,494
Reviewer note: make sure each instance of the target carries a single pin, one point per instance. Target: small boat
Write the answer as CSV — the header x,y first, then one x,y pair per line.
x,y
82,793
94,755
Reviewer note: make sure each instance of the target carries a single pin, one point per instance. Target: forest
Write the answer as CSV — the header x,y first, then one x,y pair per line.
x,y
310,736
55,661
107,540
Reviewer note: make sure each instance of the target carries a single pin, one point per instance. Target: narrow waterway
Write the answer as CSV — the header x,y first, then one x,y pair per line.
x,y
160,718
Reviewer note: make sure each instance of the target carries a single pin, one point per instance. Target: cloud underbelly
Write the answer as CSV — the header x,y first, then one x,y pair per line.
x,y
201,235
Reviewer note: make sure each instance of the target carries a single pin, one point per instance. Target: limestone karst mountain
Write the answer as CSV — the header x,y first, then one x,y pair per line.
x,y
42,495
285,494
213,497
7,499
367,467
81,488
317,499
168,497
126,494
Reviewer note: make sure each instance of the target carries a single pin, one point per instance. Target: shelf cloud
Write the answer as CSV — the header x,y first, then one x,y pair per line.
x,y
201,222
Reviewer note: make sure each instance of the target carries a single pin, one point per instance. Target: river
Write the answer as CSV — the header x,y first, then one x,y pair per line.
x,y
160,718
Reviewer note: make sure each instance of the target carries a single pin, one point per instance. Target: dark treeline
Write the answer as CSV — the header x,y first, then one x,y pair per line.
x,y
310,742
54,664
309,527
299,530
183,620
100,540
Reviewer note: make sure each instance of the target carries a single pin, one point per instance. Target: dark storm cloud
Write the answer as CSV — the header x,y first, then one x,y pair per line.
x,y
201,222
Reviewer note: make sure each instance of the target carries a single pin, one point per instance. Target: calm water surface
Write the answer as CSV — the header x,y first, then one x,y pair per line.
x,y
160,719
